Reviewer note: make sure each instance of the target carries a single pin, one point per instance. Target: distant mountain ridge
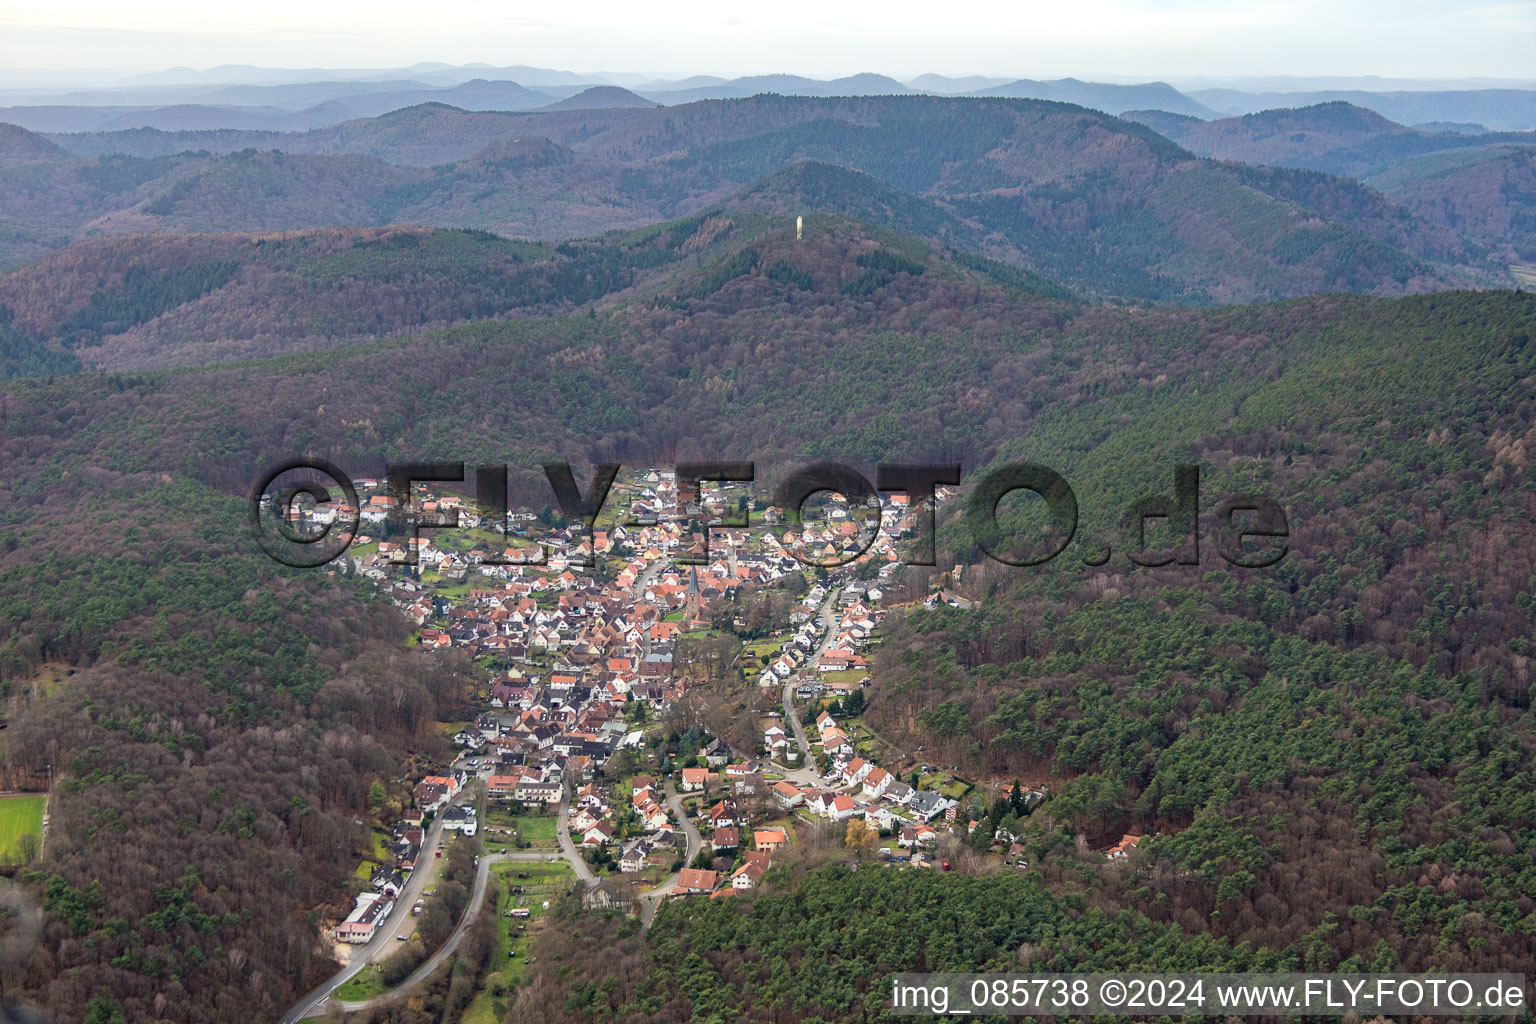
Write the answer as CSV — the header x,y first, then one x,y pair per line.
x,y
1497,109
1099,204
1112,99
1334,137
601,97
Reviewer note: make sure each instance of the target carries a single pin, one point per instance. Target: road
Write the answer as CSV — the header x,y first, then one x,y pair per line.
x,y
648,577
400,922
568,848
383,942
471,912
649,901
805,775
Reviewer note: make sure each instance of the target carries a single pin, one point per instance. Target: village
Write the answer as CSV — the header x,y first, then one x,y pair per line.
x,y
577,741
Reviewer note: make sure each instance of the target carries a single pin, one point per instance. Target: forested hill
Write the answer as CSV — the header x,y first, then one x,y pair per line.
x,y
145,301
1337,750
1103,205
1336,137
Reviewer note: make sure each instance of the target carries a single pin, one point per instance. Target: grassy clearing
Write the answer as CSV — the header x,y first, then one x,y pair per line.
x,y
365,985
19,816
536,829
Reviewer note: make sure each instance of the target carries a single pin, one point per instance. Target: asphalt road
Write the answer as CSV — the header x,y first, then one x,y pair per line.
x,y
649,901
568,848
400,922
383,942
471,912
648,577
806,775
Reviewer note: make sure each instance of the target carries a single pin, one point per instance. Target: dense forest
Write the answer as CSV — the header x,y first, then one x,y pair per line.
x,y
1335,751
144,302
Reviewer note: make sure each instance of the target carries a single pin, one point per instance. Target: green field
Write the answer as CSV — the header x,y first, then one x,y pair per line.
x,y
538,830
544,882
19,815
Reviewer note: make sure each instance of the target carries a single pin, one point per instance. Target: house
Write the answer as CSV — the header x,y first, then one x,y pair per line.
x,y
751,873
770,840
835,741
363,923
502,786
653,816
470,736
693,880
434,791
461,819
405,851
918,835
842,807
877,782
695,779
1122,849
856,771
774,738
634,856
787,794
928,805
716,753
725,839
723,814
600,834
531,791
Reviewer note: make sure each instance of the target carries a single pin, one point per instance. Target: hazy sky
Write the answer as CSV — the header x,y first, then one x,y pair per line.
x,y
1119,38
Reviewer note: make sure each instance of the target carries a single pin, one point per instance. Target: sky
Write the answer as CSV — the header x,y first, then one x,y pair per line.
x,y
1105,39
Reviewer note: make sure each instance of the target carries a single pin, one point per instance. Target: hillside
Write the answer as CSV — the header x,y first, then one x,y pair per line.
x,y
1510,110
1336,138
137,302
601,97
1101,205
160,300
19,146
1487,195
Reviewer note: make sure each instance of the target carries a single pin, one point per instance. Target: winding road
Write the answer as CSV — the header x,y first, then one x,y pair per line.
x,y
314,1004
383,940
649,901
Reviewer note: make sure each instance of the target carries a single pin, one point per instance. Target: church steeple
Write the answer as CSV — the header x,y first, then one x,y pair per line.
x,y
693,598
